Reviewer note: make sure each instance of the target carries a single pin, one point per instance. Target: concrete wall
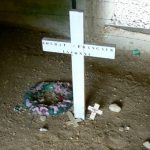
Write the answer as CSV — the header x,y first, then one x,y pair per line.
x,y
131,13
103,27
43,14
105,22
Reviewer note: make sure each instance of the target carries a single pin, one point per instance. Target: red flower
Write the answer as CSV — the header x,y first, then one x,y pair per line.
x,y
60,98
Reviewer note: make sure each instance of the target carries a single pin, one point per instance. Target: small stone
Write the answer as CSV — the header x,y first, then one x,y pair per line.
x,y
147,144
14,133
124,128
77,138
43,129
127,128
43,118
121,129
114,108
115,89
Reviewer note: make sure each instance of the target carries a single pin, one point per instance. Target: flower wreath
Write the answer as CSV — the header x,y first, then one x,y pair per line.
x,y
49,98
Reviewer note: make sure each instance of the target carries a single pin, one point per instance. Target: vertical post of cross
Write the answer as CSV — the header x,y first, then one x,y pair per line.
x,y
77,39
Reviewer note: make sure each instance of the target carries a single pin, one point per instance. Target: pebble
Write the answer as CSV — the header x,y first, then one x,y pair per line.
x,y
14,133
43,118
114,108
127,128
115,89
147,144
121,129
43,129
124,128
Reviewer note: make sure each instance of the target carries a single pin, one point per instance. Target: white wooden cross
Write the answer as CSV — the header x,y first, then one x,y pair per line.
x,y
94,110
78,50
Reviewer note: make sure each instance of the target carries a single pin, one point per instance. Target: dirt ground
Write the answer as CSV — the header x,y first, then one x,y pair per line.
x,y
125,80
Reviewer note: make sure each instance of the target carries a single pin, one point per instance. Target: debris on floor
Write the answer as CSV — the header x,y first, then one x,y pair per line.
x,y
43,118
43,129
124,128
114,107
146,144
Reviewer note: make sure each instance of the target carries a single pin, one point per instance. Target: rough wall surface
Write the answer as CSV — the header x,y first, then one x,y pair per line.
x,y
132,13
103,27
45,14
99,15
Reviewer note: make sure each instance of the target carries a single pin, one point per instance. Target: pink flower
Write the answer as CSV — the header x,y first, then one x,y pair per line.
x,y
57,89
40,111
44,111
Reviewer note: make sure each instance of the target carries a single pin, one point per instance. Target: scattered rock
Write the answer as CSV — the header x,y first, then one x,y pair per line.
x,y
124,128
43,118
147,144
121,129
129,77
14,133
43,129
115,89
114,108
127,128
77,137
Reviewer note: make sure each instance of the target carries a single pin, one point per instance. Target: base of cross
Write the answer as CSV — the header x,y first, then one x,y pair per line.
x,y
73,121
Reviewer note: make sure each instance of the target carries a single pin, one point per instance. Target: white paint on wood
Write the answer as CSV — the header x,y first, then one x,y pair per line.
x,y
95,110
78,50
63,46
76,31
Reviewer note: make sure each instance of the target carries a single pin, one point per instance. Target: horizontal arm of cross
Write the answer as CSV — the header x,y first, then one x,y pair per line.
x,y
66,47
